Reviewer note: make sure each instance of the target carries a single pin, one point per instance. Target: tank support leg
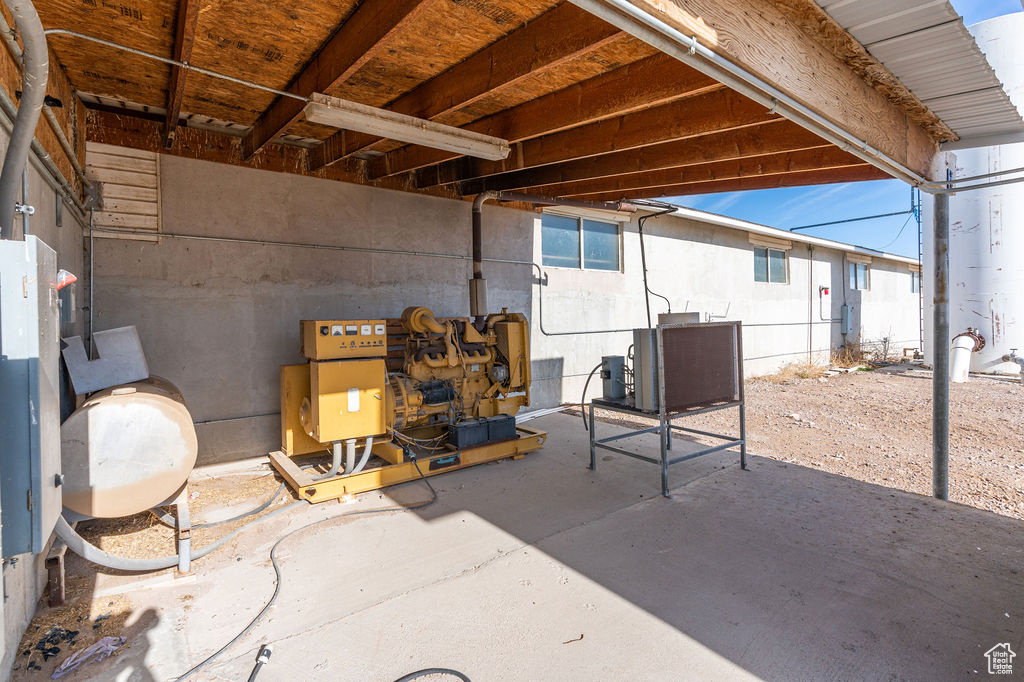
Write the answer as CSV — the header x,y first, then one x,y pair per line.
x,y
184,533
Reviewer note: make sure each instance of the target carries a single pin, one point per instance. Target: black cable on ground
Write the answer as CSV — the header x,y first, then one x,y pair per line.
x,y
583,398
169,520
277,567
432,671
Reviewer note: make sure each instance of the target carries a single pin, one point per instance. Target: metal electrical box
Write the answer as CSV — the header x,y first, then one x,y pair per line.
x,y
30,496
845,324
337,339
347,399
645,369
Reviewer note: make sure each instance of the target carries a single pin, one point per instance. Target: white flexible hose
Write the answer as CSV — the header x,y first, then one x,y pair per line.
x,y
366,456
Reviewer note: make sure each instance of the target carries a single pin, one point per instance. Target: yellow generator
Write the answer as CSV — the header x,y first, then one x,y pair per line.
x,y
389,399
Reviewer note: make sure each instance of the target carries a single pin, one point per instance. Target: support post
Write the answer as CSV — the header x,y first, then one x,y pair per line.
x,y
940,353
184,532
593,437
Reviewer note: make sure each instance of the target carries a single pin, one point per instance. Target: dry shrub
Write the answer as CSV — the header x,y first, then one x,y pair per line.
x,y
795,371
850,354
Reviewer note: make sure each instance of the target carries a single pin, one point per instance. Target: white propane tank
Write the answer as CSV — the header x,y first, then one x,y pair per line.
x,y
986,227
127,449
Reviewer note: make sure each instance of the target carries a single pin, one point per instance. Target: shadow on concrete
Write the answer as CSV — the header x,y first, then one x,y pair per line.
x,y
786,571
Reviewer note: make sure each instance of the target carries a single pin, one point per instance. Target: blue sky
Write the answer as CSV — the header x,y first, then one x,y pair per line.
x,y
795,206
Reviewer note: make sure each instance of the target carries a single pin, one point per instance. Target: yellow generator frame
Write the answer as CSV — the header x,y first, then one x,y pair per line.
x,y
401,382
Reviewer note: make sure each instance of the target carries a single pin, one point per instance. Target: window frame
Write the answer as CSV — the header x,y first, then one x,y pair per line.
x,y
853,276
768,264
580,241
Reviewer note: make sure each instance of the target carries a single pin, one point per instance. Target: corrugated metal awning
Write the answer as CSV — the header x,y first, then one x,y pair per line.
x,y
927,46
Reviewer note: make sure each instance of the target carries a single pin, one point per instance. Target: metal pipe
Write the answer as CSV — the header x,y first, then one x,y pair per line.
x,y
173,62
34,72
49,170
92,277
23,208
940,369
643,262
7,34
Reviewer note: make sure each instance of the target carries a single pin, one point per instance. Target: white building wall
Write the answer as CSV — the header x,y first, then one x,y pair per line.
x,y
709,269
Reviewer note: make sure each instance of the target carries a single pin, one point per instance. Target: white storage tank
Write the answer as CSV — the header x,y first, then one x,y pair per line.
x,y
986,227
127,449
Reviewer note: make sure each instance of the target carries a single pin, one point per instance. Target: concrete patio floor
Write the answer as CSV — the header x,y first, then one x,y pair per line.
x,y
539,569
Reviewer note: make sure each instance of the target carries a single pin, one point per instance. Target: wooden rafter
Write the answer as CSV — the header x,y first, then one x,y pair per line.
x,y
764,37
184,39
360,38
774,137
821,158
645,83
563,33
713,112
798,179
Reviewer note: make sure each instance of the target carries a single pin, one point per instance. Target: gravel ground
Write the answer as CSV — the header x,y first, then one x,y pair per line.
x,y
875,426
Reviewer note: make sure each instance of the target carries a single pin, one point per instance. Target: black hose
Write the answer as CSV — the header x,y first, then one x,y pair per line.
x,y
277,567
34,71
643,262
583,398
432,671
169,520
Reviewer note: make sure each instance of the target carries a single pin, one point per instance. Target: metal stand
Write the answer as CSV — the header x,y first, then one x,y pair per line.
x,y
183,531
664,430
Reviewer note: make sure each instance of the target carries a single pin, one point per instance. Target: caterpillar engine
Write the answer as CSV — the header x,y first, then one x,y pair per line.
x,y
414,384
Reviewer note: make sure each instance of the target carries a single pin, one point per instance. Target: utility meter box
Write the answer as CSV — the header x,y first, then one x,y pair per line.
x,y
347,399
30,496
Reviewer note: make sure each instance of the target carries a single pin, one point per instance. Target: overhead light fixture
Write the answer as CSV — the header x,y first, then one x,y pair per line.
x,y
347,115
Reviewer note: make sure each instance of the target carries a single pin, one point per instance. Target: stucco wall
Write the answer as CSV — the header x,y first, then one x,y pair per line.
x,y
25,577
709,269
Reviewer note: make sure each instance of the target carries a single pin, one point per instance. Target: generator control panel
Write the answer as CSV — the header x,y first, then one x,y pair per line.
x,y
340,339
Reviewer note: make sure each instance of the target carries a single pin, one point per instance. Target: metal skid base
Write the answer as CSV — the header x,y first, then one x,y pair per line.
x,y
664,430
398,470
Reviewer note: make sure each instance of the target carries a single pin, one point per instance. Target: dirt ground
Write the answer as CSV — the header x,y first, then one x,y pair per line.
x,y
875,426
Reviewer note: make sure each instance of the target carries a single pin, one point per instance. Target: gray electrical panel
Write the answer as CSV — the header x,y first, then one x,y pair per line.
x,y
645,369
613,377
845,324
30,496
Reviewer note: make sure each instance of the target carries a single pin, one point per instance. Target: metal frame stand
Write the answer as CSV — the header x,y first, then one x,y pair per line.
x,y
664,431
183,523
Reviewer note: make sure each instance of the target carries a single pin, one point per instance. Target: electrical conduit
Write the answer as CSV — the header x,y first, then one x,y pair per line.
x,y
35,69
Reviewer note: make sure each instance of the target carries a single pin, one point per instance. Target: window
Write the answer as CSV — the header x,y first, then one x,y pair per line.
x,y
770,266
915,282
570,242
859,276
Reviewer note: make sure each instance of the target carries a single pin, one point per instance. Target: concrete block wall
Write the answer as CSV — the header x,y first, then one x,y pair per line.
x,y
217,318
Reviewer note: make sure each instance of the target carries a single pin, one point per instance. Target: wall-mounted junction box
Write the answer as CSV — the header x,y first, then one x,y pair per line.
x,y
30,496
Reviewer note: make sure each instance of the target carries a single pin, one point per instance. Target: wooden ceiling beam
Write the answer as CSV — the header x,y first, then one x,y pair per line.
x,y
648,82
560,34
771,39
773,137
821,158
363,35
184,39
798,179
713,112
